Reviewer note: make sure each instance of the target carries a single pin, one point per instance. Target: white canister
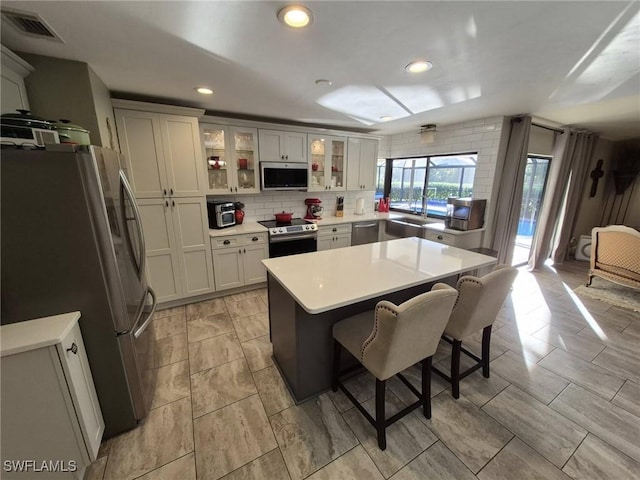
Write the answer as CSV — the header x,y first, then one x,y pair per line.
x,y
359,206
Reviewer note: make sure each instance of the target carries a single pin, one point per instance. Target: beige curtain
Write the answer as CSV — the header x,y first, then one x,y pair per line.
x,y
565,185
508,203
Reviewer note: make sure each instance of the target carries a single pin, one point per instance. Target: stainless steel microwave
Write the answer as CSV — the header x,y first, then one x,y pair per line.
x,y
465,213
284,176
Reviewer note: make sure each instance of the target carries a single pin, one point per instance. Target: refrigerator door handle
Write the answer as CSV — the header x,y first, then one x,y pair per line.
x,y
137,331
126,188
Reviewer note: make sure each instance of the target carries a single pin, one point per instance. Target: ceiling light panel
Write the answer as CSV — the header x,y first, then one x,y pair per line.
x,y
363,102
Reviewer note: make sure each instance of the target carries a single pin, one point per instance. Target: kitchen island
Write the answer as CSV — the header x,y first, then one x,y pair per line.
x,y
310,292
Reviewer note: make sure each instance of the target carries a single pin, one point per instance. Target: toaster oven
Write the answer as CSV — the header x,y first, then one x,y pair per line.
x,y
221,214
465,213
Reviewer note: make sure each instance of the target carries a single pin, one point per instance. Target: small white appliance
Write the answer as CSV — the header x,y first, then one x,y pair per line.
x,y
583,249
359,206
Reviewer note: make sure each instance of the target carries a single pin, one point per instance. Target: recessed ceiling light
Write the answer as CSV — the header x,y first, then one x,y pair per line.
x,y
295,16
386,118
204,90
323,82
418,66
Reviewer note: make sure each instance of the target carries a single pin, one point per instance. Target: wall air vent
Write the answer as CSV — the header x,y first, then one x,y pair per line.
x,y
30,24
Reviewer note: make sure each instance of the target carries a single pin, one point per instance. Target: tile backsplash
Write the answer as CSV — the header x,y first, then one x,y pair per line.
x,y
264,205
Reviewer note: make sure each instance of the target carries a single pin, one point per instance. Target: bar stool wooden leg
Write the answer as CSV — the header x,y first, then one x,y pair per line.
x,y
455,368
486,342
426,387
380,419
336,365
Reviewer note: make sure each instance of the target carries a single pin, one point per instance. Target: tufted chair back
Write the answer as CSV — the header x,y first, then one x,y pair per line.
x,y
479,301
407,333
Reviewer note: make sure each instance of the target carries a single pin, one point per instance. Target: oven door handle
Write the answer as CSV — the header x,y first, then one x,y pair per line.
x,y
286,238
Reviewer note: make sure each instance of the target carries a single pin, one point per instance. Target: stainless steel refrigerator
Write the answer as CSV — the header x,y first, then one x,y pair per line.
x,y
71,240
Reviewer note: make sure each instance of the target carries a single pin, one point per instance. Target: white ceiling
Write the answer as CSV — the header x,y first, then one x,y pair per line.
x,y
571,63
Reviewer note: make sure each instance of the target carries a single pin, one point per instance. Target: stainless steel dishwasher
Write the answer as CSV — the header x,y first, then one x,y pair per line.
x,y
364,232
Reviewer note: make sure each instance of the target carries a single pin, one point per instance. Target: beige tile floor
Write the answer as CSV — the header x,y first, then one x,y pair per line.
x,y
563,401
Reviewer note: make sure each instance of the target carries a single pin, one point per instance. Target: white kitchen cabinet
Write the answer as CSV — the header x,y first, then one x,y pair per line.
x,y
231,159
327,162
177,243
163,155
50,409
163,162
14,94
237,260
334,236
466,240
362,158
282,146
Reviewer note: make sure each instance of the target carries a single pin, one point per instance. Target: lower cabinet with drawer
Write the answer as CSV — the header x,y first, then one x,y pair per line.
x,y
468,239
237,260
334,236
51,420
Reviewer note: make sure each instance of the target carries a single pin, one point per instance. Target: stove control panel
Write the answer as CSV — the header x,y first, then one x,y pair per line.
x,y
289,229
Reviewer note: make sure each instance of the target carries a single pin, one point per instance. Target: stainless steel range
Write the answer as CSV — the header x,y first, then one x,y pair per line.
x,y
298,236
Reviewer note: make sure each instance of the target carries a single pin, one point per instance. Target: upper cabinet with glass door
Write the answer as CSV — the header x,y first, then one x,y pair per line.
x,y
231,155
327,159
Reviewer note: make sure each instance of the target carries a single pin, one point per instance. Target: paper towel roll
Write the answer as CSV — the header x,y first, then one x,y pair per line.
x,y
359,206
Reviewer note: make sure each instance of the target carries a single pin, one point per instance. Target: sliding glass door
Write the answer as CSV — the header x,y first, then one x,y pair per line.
x,y
535,179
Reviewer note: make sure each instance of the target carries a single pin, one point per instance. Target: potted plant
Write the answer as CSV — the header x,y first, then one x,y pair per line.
x,y
239,212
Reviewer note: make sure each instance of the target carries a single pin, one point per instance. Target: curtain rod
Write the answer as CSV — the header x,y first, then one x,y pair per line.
x,y
557,130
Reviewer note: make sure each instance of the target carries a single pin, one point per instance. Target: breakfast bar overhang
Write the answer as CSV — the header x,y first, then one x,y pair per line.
x,y
310,292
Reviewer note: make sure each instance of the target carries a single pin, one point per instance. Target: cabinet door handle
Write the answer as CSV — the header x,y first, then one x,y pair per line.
x,y
166,203
439,237
282,157
165,192
244,250
226,242
255,239
171,191
236,189
334,230
173,204
73,349
231,189
286,157
240,251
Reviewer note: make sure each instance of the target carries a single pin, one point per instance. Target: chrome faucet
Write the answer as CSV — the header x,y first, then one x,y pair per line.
x,y
424,206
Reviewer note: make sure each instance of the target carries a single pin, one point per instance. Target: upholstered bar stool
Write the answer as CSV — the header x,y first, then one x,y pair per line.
x,y
390,339
478,303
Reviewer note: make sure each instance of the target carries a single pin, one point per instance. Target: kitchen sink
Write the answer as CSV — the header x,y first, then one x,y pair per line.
x,y
402,228
415,221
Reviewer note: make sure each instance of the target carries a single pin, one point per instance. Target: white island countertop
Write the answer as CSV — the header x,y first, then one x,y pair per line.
x,y
323,281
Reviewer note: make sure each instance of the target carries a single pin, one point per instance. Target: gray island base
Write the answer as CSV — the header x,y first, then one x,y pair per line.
x,y
309,293
303,342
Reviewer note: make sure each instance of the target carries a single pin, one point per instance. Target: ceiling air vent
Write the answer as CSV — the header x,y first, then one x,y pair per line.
x,y
30,24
